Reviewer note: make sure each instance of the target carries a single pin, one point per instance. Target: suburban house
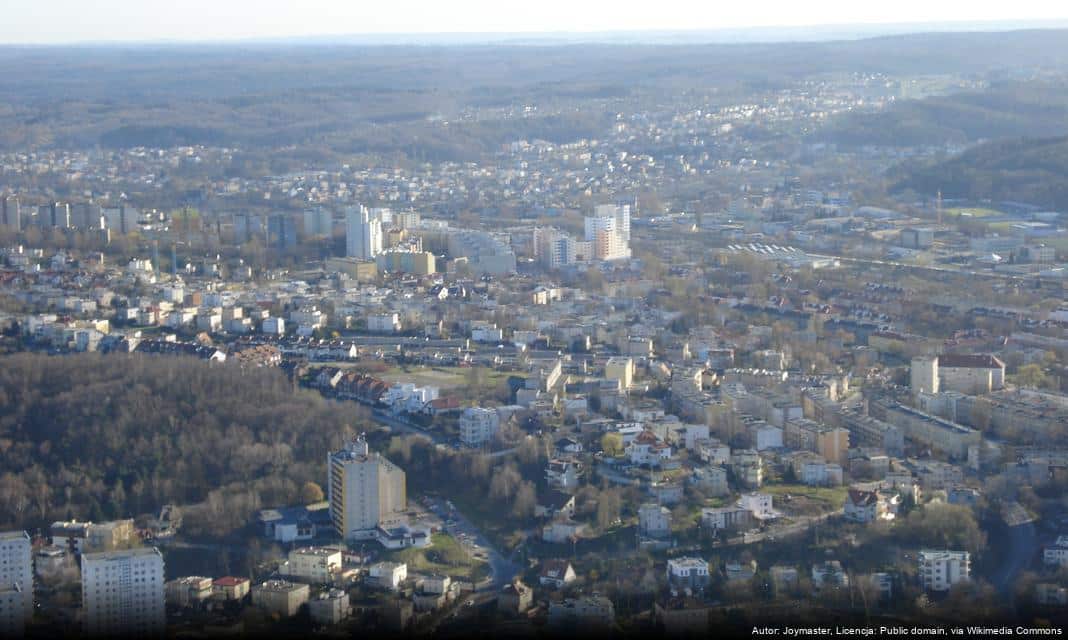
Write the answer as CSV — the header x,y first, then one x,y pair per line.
x,y
556,574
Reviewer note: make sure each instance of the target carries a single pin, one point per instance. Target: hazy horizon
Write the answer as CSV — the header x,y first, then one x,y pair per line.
x,y
63,22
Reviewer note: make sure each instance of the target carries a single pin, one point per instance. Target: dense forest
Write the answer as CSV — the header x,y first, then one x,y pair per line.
x,y
1031,170
1006,110
356,98
98,437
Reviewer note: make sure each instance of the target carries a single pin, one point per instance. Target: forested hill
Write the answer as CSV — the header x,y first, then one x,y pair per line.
x,y
1031,170
95,437
1006,110
353,99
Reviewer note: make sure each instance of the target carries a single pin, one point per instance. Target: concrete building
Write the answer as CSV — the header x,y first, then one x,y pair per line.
x,y
963,373
553,248
281,232
726,518
971,374
939,434
923,376
388,575
11,213
281,597
318,223
363,234
478,426
315,565
940,570
420,263
189,591
329,607
230,588
16,583
384,322
654,521
830,442
608,231
620,368
123,593
759,504
582,613
363,489
687,573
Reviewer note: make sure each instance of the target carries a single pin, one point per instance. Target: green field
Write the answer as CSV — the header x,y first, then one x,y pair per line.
x,y
802,496
443,377
445,555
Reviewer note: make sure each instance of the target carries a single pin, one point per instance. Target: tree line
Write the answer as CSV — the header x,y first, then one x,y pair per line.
x,y
96,437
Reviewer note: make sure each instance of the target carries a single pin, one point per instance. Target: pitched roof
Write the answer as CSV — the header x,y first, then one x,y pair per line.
x,y
863,498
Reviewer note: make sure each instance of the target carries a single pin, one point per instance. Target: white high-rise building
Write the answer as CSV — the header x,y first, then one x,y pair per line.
x,y
363,234
123,593
364,489
608,231
621,212
16,583
940,570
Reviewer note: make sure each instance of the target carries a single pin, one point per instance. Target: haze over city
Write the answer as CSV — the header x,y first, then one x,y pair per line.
x,y
441,320
69,21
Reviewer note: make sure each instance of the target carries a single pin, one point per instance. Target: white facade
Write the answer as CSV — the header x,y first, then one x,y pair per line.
x,y
478,426
389,574
384,323
274,326
487,333
940,570
363,234
16,583
315,565
759,504
408,397
123,593
687,571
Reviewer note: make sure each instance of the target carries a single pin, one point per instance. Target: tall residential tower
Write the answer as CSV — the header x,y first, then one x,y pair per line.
x,y
364,489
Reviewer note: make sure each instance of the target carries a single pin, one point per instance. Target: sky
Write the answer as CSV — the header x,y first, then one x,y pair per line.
x,y
77,21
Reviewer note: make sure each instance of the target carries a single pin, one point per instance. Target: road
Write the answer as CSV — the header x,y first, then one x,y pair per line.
x,y
800,524
610,474
502,568
1016,557
395,423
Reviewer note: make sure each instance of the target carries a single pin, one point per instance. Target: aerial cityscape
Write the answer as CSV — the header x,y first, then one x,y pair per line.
x,y
536,338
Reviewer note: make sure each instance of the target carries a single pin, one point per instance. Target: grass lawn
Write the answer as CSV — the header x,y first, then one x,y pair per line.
x,y
445,555
443,377
828,498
